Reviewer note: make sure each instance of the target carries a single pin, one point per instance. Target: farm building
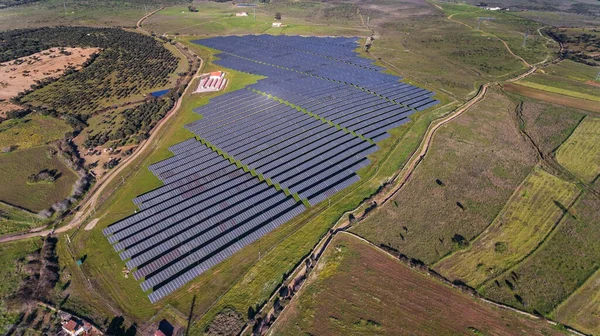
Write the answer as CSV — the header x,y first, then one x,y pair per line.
x,y
277,24
212,81
241,14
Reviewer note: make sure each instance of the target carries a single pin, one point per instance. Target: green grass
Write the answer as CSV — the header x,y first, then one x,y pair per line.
x,y
32,131
562,91
358,289
530,215
559,266
581,152
15,220
15,189
480,158
219,19
570,78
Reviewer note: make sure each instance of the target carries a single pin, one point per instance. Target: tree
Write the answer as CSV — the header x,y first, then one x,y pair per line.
x,y
277,16
192,9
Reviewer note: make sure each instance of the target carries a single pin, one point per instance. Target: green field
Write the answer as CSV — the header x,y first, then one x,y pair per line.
x,y
562,91
358,289
11,274
219,19
581,152
581,309
477,161
15,189
15,220
508,27
568,78
532,212
32,131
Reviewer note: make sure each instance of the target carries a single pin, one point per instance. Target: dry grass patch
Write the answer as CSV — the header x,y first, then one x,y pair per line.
x,y
554,98
530,215
18,75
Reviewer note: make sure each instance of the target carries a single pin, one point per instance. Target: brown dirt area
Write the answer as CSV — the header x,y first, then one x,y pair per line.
x,y
592,83
553,97
18,75
6,107
99,155
358,289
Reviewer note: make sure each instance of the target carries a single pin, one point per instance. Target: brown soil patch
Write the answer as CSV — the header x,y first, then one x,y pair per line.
x,y
553,97
593,83
363,291
99,155
6,107
18,75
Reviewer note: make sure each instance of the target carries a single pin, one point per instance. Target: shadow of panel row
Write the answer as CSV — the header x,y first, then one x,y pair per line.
x,y
299,152
314,56
206,211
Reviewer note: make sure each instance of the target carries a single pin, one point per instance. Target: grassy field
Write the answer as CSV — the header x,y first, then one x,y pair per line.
x,y
581,152
566,92
558,267
219,19
32,131
508,27
15,220
533,211
11,275
358,289
476,161
16,190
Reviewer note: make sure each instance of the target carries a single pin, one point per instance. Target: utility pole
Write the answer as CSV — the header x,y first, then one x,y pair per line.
x,y
65,6
254,13
598,77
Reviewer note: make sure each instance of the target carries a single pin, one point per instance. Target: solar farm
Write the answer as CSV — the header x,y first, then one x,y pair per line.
x,y
262,154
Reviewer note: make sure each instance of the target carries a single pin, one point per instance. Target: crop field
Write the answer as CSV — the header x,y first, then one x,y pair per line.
x,y
531,214
32,131
358,289
553,98
473,166
581,152
15,189
557,268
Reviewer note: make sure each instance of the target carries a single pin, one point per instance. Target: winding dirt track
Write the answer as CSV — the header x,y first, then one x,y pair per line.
x,y
88,205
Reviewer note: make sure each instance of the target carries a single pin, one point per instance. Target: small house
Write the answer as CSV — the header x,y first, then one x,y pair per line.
x,y
276,24
241,14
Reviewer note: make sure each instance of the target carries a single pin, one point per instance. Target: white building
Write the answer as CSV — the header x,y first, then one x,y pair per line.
x,y
277,24
241,14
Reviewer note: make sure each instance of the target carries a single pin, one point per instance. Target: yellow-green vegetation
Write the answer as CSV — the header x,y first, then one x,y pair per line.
x,y
561,264
32,131
17,190
581,152
532,212
568,78
562,91
15,220
358,289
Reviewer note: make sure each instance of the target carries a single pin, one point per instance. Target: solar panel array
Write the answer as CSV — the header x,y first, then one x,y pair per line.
x,y
336,107
205,212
